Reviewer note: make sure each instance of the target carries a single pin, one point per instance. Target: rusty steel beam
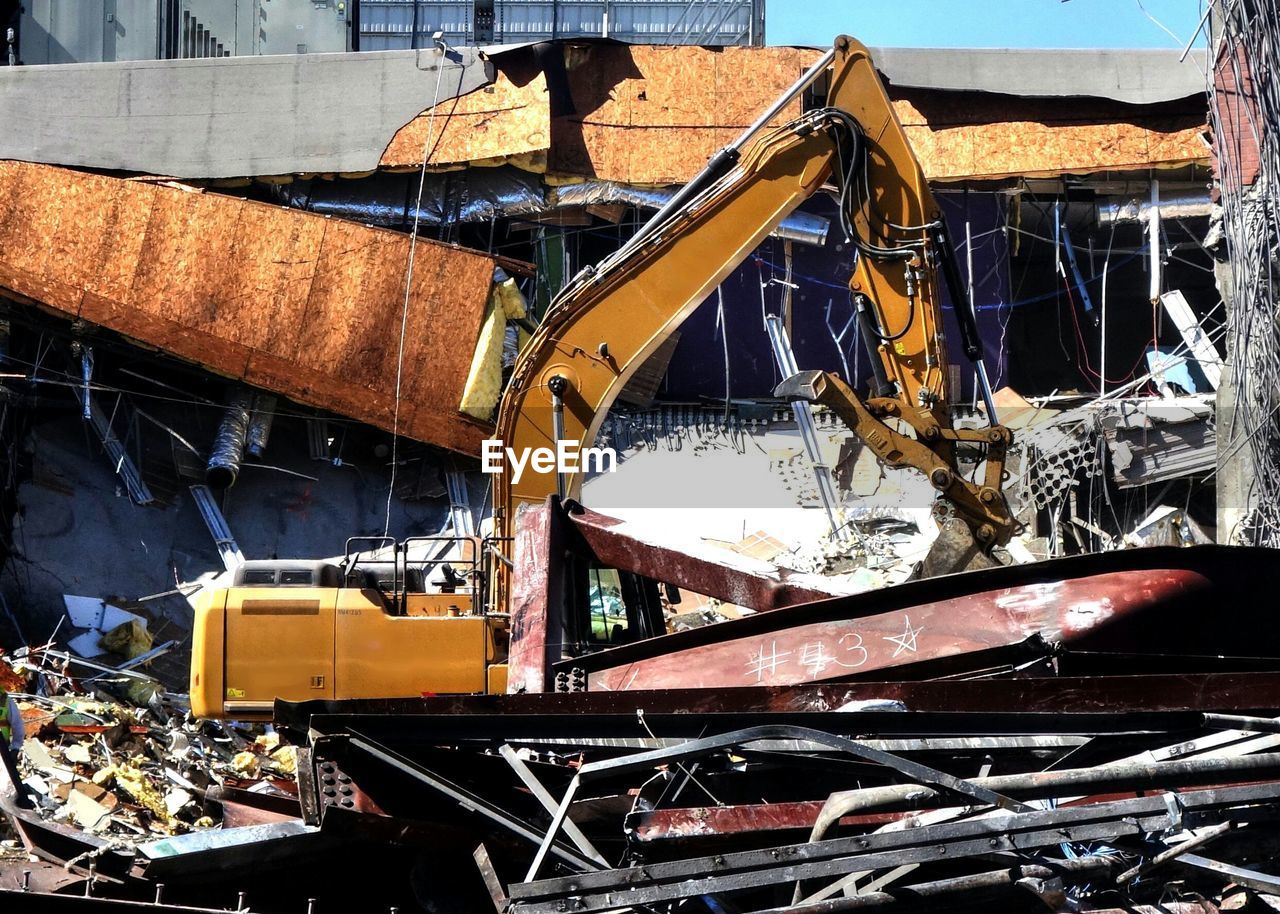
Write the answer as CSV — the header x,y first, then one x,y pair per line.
x,y
754,584
537,591
1110,607
840,641
853,807
1094,703
658,882
711,821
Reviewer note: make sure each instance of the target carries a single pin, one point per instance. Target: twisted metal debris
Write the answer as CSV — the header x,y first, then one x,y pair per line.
x,y
1245,107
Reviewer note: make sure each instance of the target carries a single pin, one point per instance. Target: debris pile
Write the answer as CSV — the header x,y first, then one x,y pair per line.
x,y
119,756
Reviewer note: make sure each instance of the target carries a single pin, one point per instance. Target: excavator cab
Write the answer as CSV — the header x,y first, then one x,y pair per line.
x,y
609,607
419,577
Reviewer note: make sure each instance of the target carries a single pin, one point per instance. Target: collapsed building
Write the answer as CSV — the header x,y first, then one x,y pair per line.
x,y
532,169
239,333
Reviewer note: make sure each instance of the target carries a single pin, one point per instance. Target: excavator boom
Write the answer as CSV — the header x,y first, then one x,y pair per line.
x,y
376,626
610,319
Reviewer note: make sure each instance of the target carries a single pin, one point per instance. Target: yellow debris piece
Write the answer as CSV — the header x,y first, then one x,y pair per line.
x,y
247,765
484,380
130,639
513,301
132,781
285,760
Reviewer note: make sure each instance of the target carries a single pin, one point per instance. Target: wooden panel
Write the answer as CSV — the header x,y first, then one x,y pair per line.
x,y
745,87
301,305
961,135
498,121
653,115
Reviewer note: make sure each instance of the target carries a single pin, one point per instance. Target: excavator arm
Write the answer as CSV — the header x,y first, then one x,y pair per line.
x,y
362,631
610,319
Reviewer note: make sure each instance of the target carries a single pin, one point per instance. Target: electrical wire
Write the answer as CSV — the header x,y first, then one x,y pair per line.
x,y
1247,54
408,286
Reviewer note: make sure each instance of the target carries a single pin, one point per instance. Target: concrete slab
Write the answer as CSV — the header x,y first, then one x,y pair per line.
x,y
227,117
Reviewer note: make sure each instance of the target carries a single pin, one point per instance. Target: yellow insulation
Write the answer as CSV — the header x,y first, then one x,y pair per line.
x,y
484,381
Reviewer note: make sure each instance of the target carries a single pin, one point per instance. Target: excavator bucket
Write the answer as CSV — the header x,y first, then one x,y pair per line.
x,y
981,520
955,550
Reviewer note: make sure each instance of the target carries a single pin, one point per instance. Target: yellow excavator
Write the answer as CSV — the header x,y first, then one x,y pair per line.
x,y
399,628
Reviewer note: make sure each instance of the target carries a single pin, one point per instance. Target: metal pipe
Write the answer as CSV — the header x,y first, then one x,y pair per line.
x,y
1180,204
495,194
1036,785
1241,722
988,397
984,383
227,452
799,227
786,359
1153,240
86,374
259,430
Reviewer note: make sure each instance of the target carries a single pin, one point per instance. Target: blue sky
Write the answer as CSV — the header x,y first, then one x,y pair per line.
x,y
984,23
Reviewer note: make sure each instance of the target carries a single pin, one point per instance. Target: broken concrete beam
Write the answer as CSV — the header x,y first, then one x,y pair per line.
x,y
303,306
167,117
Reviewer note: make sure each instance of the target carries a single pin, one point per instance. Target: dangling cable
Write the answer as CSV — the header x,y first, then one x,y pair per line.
x,y
408,286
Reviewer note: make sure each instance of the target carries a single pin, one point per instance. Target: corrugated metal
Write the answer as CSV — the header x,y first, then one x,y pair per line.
x,y
393,24
388,24
87,31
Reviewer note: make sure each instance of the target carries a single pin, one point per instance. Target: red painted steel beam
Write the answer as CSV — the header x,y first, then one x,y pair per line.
x,y
754,583
832,640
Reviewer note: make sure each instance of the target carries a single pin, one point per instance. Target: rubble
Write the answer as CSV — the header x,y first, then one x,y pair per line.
x,y
124,768
1169,800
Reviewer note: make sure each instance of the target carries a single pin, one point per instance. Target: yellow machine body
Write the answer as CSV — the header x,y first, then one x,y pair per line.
x,y
252,645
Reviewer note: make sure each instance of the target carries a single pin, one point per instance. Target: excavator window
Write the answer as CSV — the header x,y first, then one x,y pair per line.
x,y
608,610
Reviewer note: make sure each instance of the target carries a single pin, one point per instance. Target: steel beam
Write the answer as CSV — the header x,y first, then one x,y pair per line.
x,y
659,882
685,751
467,800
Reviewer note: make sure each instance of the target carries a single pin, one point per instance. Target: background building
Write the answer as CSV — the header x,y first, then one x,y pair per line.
x,y
408,23
86,31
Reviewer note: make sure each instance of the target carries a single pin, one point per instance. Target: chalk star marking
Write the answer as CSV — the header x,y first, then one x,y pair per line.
x,y
907,640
